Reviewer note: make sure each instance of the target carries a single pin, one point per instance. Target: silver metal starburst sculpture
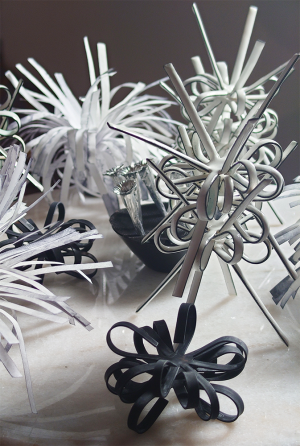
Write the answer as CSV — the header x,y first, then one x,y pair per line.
x,y
224,102
214,197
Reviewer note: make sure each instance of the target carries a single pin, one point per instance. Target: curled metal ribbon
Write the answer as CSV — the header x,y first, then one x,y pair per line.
x,y
214,200
189,374
31,233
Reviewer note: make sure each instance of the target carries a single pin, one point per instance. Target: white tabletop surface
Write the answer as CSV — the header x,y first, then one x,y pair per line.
x,y
68,363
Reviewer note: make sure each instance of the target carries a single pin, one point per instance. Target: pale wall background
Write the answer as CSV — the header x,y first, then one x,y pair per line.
x,y
143,35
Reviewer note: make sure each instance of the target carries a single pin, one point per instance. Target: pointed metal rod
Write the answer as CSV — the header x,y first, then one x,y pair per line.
x,y
166,280
241,55
270,318
208,47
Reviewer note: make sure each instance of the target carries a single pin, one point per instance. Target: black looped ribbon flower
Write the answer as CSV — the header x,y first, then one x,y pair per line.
x,y
189,374
29,232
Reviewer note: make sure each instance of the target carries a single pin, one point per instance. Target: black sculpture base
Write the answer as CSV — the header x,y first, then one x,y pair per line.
x,y
146,252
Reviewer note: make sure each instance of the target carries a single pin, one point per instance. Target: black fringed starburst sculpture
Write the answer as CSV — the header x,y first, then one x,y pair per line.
x,y
189,374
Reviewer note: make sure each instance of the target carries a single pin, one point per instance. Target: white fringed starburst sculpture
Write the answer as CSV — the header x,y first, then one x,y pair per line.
x,y
20,287
74,143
